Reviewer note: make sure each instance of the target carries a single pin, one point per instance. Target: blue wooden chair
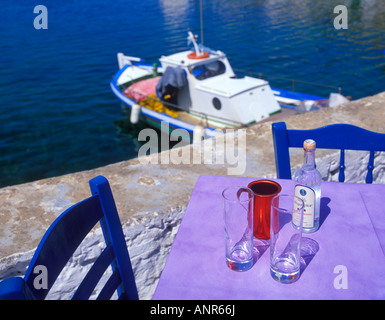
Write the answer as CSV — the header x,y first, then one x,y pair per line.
x,y
61,240
336,136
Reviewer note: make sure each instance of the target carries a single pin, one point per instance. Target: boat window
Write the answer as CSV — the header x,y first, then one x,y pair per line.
x,y
209,70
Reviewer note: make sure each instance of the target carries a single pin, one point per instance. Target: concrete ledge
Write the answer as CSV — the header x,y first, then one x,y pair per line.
x,y
151,198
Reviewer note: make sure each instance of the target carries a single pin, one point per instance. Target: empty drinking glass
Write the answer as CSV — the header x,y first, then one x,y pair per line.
x,y
285,238
238,223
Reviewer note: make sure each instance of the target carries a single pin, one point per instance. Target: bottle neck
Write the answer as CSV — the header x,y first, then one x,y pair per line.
x,y
309,159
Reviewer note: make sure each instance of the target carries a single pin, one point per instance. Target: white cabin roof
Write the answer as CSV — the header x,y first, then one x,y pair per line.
x,y
228,87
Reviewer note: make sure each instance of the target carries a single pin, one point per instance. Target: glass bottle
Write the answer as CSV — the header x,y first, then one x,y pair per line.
x,y
307,182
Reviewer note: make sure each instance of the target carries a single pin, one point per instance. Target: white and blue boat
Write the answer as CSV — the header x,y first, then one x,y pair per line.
x,y
198,91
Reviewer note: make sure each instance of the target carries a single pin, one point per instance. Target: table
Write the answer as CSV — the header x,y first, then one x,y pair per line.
x,y
344,259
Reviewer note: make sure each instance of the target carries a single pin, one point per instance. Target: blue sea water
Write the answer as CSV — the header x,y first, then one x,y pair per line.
x,y
58,114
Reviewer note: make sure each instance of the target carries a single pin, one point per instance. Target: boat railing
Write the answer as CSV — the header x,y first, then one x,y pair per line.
x,y
123,60
293,81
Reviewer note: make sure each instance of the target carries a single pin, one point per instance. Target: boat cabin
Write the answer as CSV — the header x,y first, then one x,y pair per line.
x,y
213,89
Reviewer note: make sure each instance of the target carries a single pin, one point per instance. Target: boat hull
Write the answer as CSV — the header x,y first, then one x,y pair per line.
x,y
161,121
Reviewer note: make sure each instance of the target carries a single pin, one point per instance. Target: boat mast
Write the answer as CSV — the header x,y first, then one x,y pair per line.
x,y
199,54
201,18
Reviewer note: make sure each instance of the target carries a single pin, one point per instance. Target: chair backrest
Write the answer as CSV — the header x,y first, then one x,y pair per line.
x,y
67,232
336,136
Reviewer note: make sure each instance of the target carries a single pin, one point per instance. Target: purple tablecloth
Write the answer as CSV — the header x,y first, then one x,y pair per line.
x,y
347,251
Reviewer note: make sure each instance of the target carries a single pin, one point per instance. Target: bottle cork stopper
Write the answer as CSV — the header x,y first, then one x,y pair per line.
x,y
309,144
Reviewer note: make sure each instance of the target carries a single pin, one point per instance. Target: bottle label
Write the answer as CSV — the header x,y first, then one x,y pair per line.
x,y
308,196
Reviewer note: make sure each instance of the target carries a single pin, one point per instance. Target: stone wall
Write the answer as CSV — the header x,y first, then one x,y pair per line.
x,y
151,198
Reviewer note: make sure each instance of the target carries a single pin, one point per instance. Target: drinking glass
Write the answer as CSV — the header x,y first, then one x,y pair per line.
x,y
238,225
264,190
285,238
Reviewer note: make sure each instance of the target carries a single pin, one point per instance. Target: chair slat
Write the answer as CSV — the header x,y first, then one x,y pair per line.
x,y
339,136
93,276
341,176
369,175
110,287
